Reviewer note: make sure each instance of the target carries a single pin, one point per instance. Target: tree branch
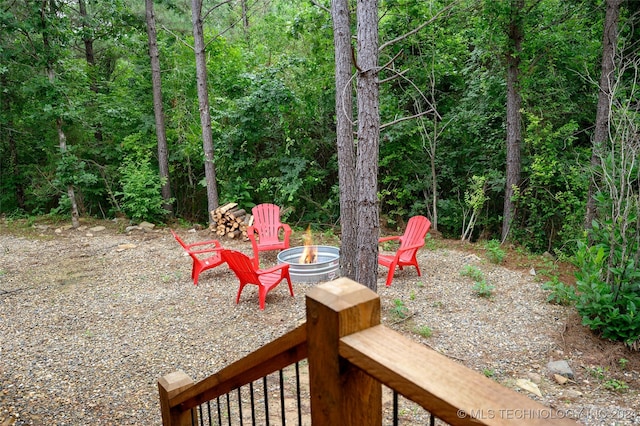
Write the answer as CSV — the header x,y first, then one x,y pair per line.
x,y
415,30
321,6
391,123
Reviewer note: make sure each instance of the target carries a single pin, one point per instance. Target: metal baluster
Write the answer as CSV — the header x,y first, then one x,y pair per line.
x,y
281,375
395,408
228,409
266,401
253,405
219,414
298,394
240,405
209,412
200,414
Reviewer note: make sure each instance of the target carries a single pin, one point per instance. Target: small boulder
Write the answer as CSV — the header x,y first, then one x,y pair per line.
x,y
561,368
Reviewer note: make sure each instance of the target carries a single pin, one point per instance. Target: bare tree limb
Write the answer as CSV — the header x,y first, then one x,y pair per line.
x,y
397,75
321,6
415,30
391,123
214,7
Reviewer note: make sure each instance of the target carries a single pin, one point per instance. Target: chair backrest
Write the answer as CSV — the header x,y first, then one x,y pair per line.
x,y
241,265
266,220
416,231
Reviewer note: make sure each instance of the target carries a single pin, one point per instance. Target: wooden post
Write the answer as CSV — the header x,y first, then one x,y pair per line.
x,y
341,394
169,386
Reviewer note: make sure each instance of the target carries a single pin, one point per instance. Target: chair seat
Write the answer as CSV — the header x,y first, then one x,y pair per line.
x,y
266,279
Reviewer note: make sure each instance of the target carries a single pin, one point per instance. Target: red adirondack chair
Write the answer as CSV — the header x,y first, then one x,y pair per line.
x,y
266,279
201,263
266,229
410,242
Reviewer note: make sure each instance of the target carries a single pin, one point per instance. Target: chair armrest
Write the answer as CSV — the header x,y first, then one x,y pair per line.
x,y
411,247
251,232
215,243
394,237
273,268
286,227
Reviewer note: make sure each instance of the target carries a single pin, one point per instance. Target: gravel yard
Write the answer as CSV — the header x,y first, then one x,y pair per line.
x,y
90,319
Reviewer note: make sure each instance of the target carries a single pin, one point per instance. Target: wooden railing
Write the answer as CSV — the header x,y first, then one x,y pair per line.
x,y
350,357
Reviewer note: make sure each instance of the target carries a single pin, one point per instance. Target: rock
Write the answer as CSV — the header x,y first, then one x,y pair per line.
x,y
127,246
146,226
532,272
561,368
97,229
132,228
560,379
535,378
529,386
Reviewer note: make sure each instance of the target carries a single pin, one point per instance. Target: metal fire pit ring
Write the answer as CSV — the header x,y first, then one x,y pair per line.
x,y
326,268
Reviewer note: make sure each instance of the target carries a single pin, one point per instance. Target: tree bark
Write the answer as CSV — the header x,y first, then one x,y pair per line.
x,y
514,119
51,75
90,57
344,134
203,104
368,144
156,81
607,77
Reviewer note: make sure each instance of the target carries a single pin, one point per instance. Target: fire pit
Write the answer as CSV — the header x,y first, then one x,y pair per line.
x,y
310,263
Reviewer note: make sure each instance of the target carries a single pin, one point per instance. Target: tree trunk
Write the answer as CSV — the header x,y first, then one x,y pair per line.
x,y
344,133
90,58
203,105
368,144
514,127
161,135
51,75
601,132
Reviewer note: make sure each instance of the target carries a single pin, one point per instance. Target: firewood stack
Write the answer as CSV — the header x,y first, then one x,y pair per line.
x,y
230,221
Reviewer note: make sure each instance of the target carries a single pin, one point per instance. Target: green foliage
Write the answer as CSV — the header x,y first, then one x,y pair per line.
x,y
483,289
425,331
559,292
488,372
601,374
480,285
494,252
399,309
472,272
141,191
622,362
610,309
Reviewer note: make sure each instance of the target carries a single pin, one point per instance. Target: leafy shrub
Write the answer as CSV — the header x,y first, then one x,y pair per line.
x,y
494,252
483,289
141,191
610,309
399,309
560,293
472,272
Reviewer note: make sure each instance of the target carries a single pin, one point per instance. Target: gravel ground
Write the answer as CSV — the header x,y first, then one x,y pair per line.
x,y
90,319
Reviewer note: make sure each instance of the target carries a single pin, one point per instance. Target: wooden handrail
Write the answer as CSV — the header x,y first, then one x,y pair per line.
x,y
450,391
280,353
350,356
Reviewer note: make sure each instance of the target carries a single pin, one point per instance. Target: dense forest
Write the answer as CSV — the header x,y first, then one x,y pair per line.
x,y
514,120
